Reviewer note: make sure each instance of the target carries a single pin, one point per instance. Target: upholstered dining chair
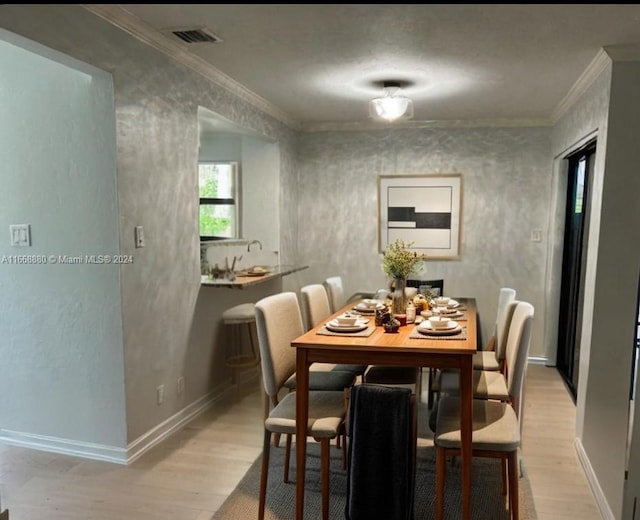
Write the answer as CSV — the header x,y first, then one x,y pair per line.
x,y
380,422
335,289
497,428
492,357
494,361
316,308
278,321
437,289
492,384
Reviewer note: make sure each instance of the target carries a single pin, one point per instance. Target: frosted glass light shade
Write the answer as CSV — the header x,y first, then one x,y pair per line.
x,y
392,105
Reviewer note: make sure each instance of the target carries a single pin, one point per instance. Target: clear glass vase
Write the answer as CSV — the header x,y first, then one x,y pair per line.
x,y
398,297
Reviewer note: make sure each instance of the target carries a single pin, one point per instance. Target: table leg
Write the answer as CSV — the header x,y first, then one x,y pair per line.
x,y
466,428
302,417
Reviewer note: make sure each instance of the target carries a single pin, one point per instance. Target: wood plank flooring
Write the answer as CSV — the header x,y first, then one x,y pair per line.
x,y
560,489
189,475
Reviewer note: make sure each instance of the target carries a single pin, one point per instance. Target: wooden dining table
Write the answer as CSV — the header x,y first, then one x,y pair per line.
x,y
396,349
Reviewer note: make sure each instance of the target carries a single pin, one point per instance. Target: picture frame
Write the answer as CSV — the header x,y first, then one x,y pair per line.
x,y
422,209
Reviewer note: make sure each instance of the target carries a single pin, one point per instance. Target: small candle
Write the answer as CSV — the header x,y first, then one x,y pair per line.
x,y
402,318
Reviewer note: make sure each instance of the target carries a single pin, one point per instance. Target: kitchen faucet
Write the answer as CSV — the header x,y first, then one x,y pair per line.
x,y
254,242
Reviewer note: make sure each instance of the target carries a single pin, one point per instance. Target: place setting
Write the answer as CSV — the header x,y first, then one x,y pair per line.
x,y
347,324
439,326
369,306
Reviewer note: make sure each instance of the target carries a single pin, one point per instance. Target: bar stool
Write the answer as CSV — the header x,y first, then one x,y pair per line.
x,y
241,355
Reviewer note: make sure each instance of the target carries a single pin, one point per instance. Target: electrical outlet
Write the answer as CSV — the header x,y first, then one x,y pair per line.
x,y
180,385
139,236
160,394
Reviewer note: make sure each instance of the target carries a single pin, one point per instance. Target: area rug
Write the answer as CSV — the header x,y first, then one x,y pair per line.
x,y
488,503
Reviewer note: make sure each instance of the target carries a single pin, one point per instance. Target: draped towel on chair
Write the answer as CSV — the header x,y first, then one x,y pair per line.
x,y
380,454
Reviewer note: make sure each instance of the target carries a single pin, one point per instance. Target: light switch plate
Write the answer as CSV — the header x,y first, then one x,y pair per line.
x,y
139,236
20,235
536,235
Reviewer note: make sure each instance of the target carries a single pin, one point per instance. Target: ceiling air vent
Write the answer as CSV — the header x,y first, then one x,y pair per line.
x,y
195,36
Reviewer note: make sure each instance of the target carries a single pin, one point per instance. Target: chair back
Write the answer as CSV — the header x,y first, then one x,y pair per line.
x,y
503,320
315,304
435,286
278,322
335,289
518,342
380,486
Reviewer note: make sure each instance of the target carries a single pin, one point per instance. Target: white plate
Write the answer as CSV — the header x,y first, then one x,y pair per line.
x,y
334,326
363,308
450,326
453,304
359,317
359,322
437,332
452,315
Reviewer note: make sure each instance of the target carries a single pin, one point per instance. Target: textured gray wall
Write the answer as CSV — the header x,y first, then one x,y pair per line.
x,y
62,364
156,103
506,179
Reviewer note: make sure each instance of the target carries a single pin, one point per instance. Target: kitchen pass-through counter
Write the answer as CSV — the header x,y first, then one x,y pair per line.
x,y
241,281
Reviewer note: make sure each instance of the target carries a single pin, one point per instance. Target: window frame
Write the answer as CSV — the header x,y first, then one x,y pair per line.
x,y
233,201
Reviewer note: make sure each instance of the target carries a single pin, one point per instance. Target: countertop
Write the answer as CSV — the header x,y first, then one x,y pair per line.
x,y
240,282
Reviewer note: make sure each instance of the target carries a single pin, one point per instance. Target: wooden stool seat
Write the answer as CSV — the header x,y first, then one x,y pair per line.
x,y
239,356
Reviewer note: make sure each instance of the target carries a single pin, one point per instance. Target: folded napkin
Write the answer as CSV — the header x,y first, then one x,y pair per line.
x,y
415,334
362,333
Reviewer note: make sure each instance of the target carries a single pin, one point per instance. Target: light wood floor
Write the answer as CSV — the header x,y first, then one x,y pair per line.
x,y
189,475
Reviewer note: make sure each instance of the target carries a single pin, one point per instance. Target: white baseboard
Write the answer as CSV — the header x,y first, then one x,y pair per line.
x,y
163,430
115,454
598,494
85,450
537,360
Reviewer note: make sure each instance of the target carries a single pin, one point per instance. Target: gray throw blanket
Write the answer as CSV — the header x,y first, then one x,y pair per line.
x,y
380,454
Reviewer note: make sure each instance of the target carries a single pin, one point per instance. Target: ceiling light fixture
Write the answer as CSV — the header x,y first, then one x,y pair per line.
x,y
393,104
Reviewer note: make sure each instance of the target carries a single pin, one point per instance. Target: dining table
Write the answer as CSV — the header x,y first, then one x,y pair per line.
x,y
375,346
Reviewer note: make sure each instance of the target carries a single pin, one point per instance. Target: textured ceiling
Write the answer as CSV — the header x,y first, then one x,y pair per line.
x,y
320,64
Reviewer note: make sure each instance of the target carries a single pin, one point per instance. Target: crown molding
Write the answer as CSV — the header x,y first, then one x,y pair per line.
x,y
124,20
458,123
586,79
628,52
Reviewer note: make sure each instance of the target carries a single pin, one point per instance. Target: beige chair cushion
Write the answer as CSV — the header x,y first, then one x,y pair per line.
x,y
243,313
495,425
486,384
484,360
326,415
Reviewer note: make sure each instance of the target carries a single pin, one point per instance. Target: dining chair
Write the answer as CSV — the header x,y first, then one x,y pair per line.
x,y
380,422
491,384
492,357
316,307
278,321
335,289
436,287
497,425
492,360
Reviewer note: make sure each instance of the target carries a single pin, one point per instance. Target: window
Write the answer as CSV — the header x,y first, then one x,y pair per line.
x,y
218,190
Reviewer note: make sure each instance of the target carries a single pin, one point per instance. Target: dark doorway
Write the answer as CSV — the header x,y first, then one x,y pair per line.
x,y
580,170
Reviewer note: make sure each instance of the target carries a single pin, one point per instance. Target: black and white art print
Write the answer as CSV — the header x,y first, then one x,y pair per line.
x,y
421,209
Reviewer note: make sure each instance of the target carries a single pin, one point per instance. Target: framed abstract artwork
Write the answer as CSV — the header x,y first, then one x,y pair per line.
x,y
422,209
